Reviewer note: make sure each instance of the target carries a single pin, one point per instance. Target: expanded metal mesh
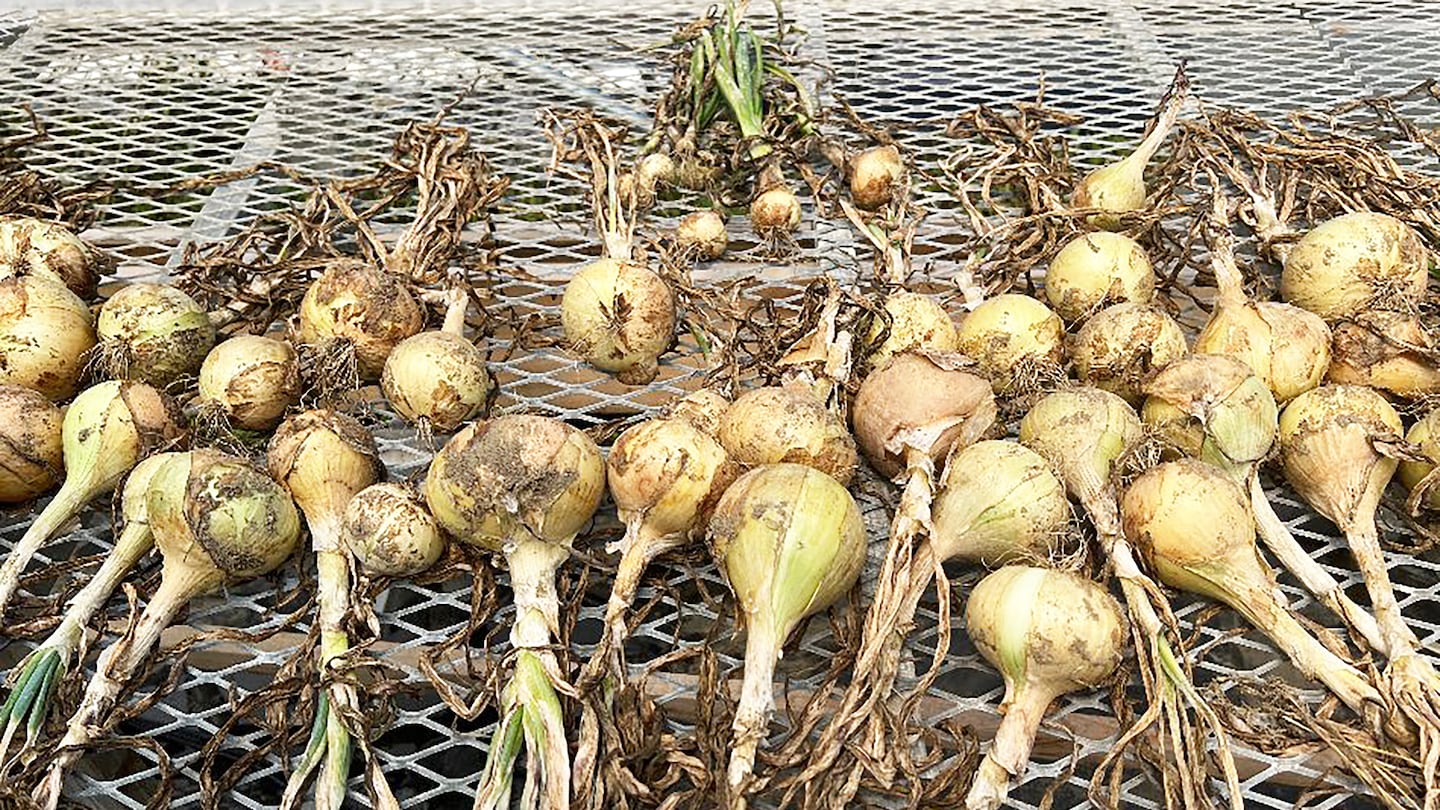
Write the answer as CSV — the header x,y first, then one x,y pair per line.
x,y
161,96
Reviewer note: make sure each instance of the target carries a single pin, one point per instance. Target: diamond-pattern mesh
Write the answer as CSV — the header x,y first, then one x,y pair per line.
x,y
175,92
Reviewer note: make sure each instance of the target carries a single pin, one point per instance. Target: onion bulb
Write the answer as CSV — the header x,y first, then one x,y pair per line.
x,y
620,317
1424,436
107,430
31,459
915,409
1120,346
390,532
358,303
917,322
153,333
1094,270
438,379
216,520
46,334
1387,350
787,424
1355,263
522,486
999,503
1119,187
791,542
703,408
1049,633
1015,339
703,233
1193,522
35,247
775,209
253,380
1336,444
873,174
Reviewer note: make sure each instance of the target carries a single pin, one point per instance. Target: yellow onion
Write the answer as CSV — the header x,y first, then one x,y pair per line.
x,y
438,379
999,503
1094,270
917,404
1049,633
917,322
355,302
787,424
1014,338
1081,432
1181,432
153,333
775,211
390,532
1424,436
1120,346
791,542
620,317
35,247
650,172
703,408
31,457
1391,351
873,174
1193,522
704,233
46,334
1354,263
253,380
1119,187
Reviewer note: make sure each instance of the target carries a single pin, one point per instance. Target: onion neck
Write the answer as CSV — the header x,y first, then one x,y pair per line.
x,y
640,547
1009,754
532,564
1364,540
757,700
135,540
71,498
1229,282
458,305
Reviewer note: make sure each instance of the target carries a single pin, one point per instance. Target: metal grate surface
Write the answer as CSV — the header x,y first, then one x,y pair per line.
x,y
175,92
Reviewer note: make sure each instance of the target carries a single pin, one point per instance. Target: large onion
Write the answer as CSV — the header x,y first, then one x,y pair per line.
x,y
46,334
1015,339
31,459
35,247
370,308
1096,269
153,333
620,317
1120,346
1356,262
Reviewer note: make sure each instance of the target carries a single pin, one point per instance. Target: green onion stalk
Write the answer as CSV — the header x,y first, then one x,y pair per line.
x,y
324,458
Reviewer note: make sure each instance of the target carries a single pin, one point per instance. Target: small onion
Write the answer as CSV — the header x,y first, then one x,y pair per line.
x,y
1013,336
34,247
620,317
1387,350
390,532
873,174
775,209
704,233
787,424
438,379
153,333
368,307
1119,347
252,379
1119,187
46,334
1354,263
31,451
917,323
1096,269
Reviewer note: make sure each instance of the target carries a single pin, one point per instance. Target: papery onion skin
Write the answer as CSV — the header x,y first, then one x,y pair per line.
x,y
620,317
917,322
31,452
1096,269
1121,345
704,409
1081,432
666,475
1355,262
36,247
779,424
154,333
1387,350
703,232
372,309
1009,333
46,334
1326,440
390,532
913,402
254,380
436,376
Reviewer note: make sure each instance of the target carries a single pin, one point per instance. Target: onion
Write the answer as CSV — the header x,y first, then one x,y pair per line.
x,y
522,486
703,233
1015,339
703,408
46,334
1391,351
390,532
1049,633
1331,442
1120,346
107,430
1354,263
153,333
1424,436
217,520
355,302
917,322
38,676
324,458
787,424
31,457
1192,522
873,174
999,503
791,542
620,317
1094,270
775,211
1119,187
252,380
437,380
34,247
650,172
915,409
1287,347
